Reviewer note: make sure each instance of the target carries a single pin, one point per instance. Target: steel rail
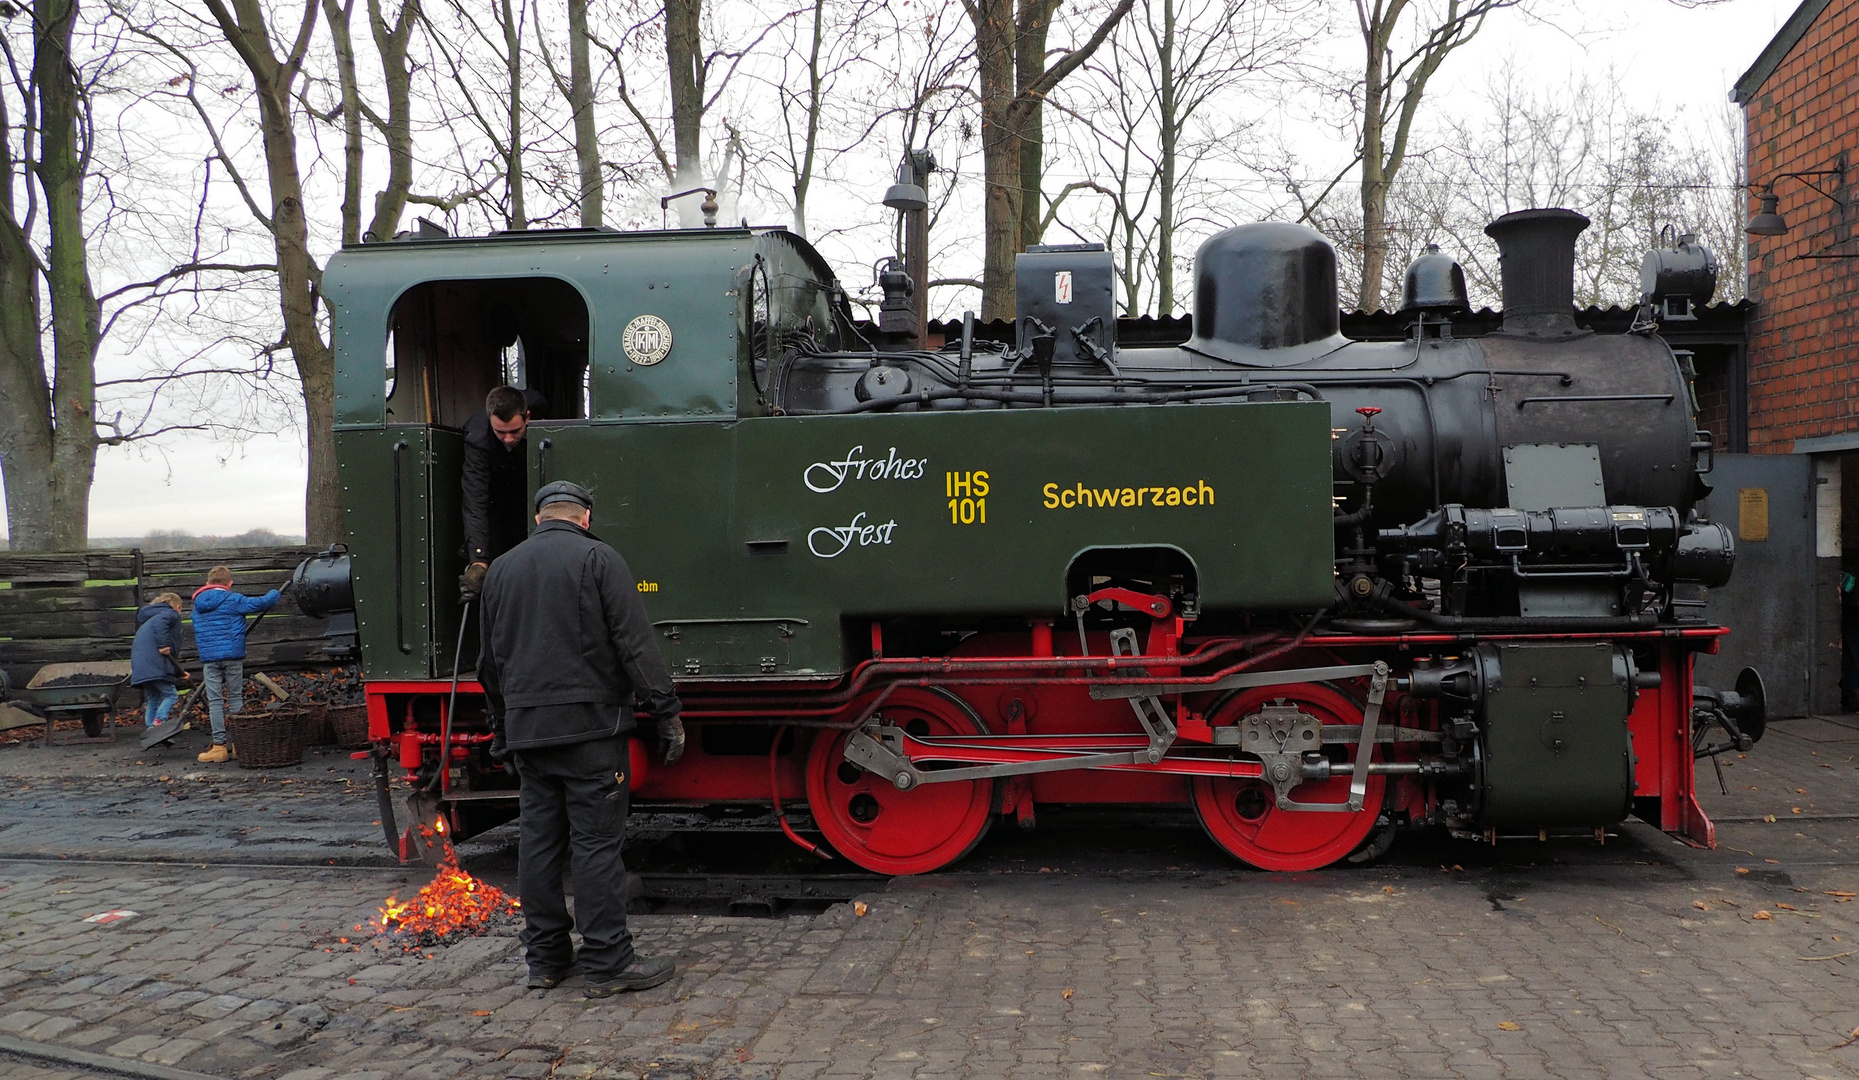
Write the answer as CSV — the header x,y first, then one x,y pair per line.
x,y
95,1063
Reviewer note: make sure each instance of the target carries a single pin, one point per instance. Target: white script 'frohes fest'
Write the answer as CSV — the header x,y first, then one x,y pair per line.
x,y
827,476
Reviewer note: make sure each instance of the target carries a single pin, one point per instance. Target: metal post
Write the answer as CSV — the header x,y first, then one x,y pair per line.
x,y
916,243
916,264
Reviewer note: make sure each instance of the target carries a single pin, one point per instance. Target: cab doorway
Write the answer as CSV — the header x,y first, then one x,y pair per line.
x,y
449,343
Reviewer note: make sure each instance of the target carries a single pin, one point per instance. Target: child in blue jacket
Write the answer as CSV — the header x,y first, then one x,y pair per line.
x,y
219,636
153,664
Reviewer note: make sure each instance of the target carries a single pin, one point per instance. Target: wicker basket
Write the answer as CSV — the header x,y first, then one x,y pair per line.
x,y
350,725
316,729
270,739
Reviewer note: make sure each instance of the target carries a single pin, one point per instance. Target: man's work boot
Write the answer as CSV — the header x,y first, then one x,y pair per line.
x,y
215,754
552,978
643,973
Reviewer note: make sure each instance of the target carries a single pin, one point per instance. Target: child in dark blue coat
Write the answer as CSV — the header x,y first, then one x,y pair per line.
x,y
152,664
219,635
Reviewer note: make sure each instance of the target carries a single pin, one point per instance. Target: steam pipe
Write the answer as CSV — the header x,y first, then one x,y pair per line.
x,y
774,795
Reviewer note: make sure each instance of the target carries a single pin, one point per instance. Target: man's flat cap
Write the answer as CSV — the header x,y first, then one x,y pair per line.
x,y
563,491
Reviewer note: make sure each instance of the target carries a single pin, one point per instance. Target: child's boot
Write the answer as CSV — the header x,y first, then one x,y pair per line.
x,y
215,754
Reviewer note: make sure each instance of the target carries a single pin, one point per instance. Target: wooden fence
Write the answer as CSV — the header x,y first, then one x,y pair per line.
x,y
82,605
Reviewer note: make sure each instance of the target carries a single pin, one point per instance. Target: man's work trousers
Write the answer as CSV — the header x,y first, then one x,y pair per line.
x,y
225,694
574,802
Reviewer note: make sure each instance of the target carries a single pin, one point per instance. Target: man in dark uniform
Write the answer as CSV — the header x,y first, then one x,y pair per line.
x,y
496,480
567,649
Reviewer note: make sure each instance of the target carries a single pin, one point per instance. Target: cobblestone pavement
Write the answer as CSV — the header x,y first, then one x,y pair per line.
x,y
1034,958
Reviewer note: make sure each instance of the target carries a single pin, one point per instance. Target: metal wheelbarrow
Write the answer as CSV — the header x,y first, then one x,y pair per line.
x,y
86,690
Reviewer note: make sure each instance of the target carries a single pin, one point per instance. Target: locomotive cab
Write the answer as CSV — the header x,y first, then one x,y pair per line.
x,y
604,326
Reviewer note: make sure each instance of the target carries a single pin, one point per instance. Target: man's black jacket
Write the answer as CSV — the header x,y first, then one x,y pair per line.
x,y
496,486
563,625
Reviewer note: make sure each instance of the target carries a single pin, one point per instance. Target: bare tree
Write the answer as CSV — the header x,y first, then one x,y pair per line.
x,y
1583,146
810,104
1016,76
581,103
278,93
1152,122
39,513
486,98
814,78
685,58
51,428
68,185
275,84
1394,82
395,129
512,24
699,76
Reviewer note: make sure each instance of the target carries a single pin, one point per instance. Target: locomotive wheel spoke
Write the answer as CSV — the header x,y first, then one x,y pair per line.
x,y
871,822
1242,815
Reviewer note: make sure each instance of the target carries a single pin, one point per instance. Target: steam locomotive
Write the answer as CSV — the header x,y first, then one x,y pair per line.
x,y
1315,589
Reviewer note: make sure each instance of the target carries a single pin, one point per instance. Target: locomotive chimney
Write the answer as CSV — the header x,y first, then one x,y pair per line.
x,y
1536,251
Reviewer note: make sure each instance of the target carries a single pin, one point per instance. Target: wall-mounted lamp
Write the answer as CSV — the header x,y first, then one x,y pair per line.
x,y
1769,221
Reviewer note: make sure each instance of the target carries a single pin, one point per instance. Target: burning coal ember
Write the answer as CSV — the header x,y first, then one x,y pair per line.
x,y
451,907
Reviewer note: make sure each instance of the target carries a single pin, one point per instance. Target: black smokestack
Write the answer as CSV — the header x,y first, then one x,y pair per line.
x,y
1536,250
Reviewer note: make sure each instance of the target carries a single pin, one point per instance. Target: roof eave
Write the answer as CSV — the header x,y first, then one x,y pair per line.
x,y
1777,50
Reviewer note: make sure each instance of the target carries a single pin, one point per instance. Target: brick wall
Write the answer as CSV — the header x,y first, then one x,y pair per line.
x,y
1804,345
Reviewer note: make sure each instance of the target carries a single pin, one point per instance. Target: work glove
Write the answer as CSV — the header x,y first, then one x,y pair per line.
x,y
671,738
500,751
471,582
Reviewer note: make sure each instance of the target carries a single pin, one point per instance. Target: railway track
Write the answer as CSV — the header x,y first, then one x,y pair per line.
x,y
24,1059
750,895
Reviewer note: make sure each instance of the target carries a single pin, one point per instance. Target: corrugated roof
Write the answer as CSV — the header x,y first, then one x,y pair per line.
x,y
1150,331
1777,50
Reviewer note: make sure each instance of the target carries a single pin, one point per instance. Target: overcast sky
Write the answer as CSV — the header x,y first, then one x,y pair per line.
x,y
1682,60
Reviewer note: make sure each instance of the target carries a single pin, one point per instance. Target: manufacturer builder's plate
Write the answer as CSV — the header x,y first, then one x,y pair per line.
x,y
647,340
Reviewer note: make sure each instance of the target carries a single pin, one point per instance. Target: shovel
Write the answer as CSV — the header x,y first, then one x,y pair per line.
x,y
423,802
177,719
422,808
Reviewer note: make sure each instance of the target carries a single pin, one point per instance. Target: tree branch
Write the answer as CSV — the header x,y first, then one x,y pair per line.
x,y
190,268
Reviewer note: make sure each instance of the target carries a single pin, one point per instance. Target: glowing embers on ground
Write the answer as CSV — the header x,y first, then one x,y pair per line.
x,y
452,906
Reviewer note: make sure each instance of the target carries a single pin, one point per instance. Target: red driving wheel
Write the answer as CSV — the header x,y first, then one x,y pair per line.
x,y
869,821
1242,815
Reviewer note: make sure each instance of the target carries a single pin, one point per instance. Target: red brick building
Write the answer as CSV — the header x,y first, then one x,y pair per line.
x,y
1801,109
1800,104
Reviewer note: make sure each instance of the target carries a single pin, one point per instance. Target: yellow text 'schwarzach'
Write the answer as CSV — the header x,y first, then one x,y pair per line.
x,y
1079,496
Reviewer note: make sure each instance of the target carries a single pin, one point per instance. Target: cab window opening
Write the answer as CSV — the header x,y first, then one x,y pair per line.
x,y
450,343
